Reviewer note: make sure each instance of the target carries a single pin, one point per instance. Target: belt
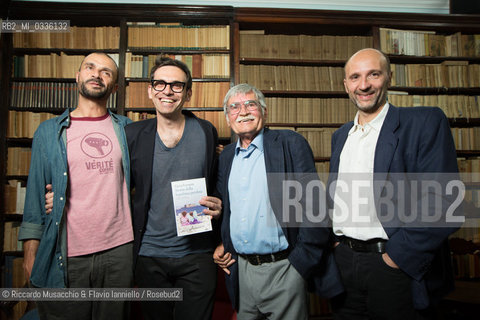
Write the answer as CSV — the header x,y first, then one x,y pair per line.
x,y
373,245
257,259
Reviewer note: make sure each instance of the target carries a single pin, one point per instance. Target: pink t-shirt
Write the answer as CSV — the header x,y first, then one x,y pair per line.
x,y
97,210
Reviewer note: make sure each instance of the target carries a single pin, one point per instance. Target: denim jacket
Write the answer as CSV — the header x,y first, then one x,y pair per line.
x,y
49,166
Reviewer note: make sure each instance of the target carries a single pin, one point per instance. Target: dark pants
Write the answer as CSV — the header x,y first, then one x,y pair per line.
x,y
373,290
196,274
111,268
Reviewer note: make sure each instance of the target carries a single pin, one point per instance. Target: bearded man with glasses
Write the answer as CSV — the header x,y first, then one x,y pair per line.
x,y
176,145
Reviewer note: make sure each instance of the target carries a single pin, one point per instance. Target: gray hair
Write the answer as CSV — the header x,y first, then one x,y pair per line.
x,y
244,88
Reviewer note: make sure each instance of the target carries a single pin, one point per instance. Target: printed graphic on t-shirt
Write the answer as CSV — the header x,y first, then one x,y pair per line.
x,y
98,146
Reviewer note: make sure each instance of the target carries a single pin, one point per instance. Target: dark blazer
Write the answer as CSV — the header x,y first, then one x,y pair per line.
x,y
285,152
141,144
412,140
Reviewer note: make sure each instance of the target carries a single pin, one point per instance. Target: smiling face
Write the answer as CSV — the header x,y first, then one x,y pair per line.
x,y
167,102
97,77
246,123
366,81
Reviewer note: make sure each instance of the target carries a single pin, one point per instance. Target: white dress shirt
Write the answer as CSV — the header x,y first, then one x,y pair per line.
x,y
354,213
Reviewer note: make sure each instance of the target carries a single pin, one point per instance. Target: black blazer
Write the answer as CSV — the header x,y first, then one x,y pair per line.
x,y
141,144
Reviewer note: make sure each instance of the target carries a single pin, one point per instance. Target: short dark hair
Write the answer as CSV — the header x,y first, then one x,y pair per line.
x,y
162,61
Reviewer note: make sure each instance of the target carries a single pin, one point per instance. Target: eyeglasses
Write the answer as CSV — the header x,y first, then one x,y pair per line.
x,y
251,105
160,85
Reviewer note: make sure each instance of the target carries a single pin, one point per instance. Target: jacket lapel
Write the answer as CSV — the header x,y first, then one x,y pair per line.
x,y
273,151
387,141
146,145
338,147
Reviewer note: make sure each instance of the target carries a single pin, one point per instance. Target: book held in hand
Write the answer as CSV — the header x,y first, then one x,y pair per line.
x,y
189,216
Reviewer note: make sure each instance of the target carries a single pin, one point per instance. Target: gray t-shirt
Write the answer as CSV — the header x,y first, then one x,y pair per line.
x,y
184,161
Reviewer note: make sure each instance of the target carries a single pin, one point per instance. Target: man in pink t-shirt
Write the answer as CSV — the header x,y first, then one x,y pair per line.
x,y
85,241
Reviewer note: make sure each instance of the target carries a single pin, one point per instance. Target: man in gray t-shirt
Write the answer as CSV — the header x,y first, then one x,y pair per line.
x,y
174,146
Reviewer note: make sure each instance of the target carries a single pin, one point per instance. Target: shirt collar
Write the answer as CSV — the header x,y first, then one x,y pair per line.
x,y
376,123
256,143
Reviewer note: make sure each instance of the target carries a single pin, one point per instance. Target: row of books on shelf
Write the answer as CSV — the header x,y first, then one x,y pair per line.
x,y
454,106
428,43
204,94
469,169
448,74
10,236
309,110
139,116
179,36
472,199
466,266
341,110
51,65
319,140
24,124
218,120
470,230
18,161
14,197
255,44
466,138
200,65
14,277
75,38
296,78
40,94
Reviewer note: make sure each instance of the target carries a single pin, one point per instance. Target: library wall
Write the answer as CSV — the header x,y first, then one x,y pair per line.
x,y
295,57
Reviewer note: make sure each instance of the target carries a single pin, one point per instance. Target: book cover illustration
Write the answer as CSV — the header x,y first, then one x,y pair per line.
x,y
189,216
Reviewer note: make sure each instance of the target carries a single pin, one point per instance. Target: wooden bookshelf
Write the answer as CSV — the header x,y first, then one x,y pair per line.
x,y
309,32
38,71
280,37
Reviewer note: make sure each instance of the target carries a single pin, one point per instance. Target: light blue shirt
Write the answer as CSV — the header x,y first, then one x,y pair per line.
x,y
254,228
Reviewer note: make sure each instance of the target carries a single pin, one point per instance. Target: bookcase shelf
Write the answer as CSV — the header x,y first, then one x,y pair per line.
x,y
464,122
278,22
468,153
194,80
24,142
439,90
305,94
13,177
43,51
45,79
152,110
13,217
179,51
306,125
289,62
13,253
394,58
